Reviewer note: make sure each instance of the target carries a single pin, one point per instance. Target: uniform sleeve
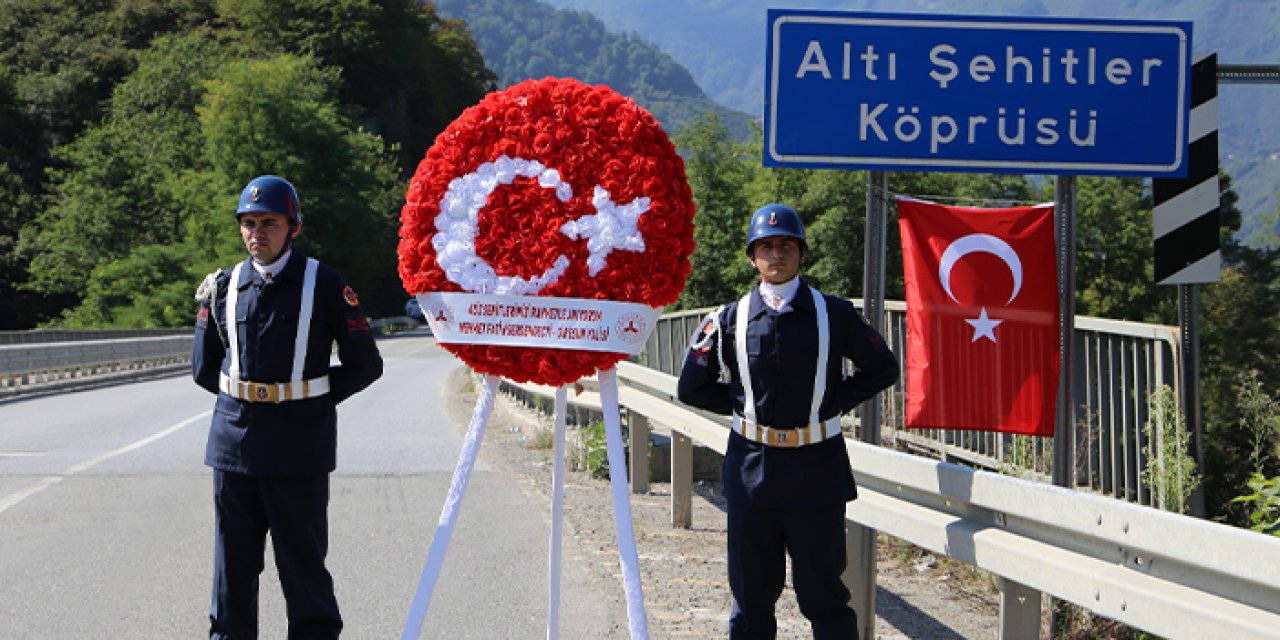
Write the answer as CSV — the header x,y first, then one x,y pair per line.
x,y
700,382
208,350
359,362
875,366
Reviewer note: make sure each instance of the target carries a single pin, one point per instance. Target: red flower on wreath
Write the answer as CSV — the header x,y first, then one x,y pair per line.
x,y
551,188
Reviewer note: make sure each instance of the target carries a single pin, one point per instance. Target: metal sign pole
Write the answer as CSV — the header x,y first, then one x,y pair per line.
x,y
860,542
1189,330
1064,212
873,284
1064,428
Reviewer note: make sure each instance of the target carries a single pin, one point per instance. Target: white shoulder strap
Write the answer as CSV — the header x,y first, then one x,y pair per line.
x,y
740,349
824,344
304,320
233,329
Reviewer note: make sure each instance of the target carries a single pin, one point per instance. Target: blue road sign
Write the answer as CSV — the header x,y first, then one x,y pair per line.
x,y
979,94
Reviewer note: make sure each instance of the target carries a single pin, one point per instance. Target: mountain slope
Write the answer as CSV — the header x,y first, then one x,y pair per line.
x,y
522,39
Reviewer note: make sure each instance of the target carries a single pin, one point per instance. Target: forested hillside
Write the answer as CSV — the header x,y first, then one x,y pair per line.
x,y
722,43
127,130
523,39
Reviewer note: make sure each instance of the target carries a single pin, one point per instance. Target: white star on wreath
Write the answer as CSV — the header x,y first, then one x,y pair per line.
x,y
612,227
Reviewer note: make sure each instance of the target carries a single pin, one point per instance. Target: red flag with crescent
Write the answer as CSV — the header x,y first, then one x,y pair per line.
x,y
982,317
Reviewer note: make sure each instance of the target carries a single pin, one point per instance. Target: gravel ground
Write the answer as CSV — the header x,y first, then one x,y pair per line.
x,y
683,570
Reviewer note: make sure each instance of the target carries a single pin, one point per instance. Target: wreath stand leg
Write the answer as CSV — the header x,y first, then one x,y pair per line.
x,y
449,512
557,516
621,510
639,625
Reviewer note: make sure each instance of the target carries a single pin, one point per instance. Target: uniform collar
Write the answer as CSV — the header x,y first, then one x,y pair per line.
x,y
271,271
801,300
786,290
293,269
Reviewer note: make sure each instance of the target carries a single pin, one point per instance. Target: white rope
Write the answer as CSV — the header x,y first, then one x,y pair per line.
x,y
449,512
639,625
557,516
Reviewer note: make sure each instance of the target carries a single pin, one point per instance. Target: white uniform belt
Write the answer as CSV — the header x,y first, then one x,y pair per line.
x,y
273,391
788,438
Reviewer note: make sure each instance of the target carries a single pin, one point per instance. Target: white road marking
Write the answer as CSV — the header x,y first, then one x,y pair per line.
x,y
22,494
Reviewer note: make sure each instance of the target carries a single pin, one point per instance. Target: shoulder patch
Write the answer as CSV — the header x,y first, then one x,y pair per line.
x,y
349,295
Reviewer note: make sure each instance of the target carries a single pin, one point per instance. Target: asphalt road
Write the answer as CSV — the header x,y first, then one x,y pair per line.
x,y
106,519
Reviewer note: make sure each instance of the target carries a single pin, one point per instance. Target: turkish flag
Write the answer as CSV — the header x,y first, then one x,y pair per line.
x,y
982,317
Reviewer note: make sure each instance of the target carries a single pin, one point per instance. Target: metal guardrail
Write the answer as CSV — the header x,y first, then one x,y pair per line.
x,y
25,367
1118,366
73,358
38,336
1160,572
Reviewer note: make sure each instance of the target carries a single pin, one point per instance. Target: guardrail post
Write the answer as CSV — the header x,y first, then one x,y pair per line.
x,y
1019,611
639,452
681,480
860,548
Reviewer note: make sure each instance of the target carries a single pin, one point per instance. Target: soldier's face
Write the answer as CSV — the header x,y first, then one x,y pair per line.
x,y
777,259
264,234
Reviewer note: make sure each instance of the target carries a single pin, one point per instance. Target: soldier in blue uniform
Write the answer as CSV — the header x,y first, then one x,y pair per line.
x,y
264,334
775,361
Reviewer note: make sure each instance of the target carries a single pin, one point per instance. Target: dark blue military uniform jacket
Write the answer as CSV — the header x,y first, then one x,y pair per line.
x,y
782,351
291,438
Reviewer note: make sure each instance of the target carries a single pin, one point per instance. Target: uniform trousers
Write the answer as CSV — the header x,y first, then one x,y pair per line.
x,y
294,510
759,540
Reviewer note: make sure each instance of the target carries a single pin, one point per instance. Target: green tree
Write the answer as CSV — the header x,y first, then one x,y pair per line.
x,y
718,168
1115,275
1240,333
115,192
836,202
149,287
405,72
18,308
279,116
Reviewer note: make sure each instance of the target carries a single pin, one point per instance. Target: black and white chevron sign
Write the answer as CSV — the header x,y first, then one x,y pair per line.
x,y
1187,249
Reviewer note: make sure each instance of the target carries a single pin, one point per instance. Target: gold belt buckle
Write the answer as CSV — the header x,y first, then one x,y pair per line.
x,y
263,392
789,438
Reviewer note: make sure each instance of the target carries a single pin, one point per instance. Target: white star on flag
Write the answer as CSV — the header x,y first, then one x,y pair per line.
x,y
984,327
612,227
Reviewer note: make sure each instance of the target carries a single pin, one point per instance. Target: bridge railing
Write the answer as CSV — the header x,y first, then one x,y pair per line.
x,y
1119,365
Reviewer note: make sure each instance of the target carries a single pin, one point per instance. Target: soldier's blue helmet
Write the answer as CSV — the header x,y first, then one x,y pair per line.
x,y
774,220
270,194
